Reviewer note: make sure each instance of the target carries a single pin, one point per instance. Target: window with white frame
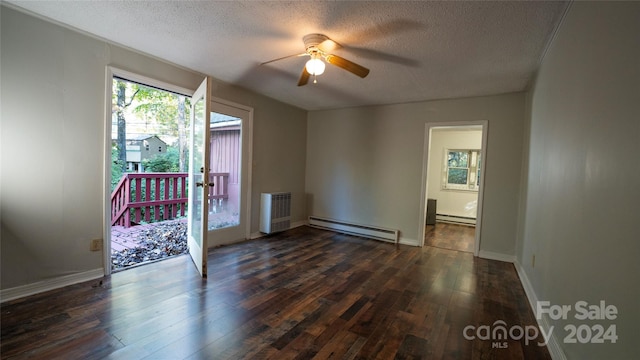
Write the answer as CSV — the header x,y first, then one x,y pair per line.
x,y
461,170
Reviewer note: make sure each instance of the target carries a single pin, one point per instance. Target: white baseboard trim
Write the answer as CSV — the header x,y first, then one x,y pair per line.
x,y
410,242
403,241
552,345
496,256
298,224
293,225
50,284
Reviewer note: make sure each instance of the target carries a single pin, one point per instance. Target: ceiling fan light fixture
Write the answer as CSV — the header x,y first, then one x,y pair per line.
x,y
317,47
315,66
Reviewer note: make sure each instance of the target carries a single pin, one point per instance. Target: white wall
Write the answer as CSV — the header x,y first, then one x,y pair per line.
x,y
53,93
451,202
279,149
365,164
580,215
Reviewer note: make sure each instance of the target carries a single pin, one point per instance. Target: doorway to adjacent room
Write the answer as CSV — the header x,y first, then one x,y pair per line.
x,y
453,185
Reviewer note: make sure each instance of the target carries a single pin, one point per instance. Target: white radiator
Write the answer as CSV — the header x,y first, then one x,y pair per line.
x,y
372,232
275,212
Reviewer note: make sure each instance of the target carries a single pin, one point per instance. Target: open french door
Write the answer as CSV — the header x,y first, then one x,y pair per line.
x,y
199,183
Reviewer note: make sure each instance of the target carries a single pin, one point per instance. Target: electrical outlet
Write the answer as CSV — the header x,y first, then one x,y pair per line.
x,y
533,261
96,245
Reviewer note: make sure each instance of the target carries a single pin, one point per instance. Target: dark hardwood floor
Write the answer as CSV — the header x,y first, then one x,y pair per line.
x,y
305,293
450,236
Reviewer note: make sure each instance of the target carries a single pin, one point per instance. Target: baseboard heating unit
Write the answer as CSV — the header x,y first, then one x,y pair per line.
x,y
452,219
372,232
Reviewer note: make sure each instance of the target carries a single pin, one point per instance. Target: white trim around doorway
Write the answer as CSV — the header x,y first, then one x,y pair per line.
x,y
110,73
484,124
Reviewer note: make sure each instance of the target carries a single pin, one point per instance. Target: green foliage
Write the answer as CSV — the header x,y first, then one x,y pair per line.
x,y
116,168
166,162
147,110
458,159
160,107
457,176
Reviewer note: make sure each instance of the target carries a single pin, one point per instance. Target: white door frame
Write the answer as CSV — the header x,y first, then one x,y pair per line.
x,y
425,169
110,73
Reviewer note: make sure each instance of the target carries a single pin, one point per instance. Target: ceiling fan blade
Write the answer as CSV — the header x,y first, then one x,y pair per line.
x,y
379,55
284,57
347,65
328,45
304,77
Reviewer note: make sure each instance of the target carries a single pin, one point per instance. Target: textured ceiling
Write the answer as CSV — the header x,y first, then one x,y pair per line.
x,y
415,50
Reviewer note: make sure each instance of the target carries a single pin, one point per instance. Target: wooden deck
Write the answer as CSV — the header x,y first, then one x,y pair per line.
x,y
304,293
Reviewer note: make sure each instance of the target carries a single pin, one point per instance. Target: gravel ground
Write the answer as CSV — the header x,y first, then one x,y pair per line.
x,y
164,240
157,243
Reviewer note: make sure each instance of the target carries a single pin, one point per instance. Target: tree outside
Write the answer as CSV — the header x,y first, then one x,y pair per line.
x,y
142,110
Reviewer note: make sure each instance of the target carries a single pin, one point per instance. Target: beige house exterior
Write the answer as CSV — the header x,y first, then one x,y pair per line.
x,y
142,148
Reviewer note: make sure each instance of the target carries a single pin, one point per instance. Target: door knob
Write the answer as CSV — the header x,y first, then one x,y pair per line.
x,y
201,184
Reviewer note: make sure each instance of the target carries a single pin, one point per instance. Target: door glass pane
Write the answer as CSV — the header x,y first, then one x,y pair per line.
x,y
225,173
198,154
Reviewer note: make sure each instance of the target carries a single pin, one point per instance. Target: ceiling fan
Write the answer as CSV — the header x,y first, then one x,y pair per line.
x,y
317,47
